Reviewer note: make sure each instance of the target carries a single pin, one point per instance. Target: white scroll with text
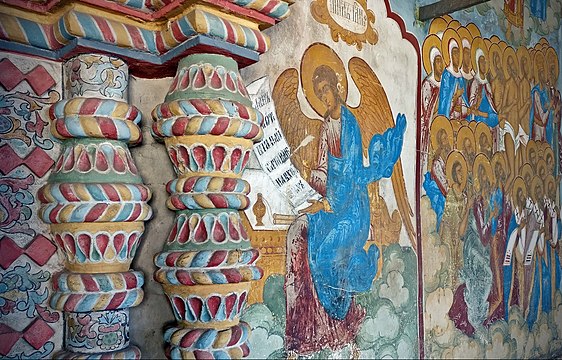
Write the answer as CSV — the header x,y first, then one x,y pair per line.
x,y
273,152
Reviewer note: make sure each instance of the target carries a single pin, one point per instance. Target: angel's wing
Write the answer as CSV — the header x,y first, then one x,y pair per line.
x,y
302,133
374,117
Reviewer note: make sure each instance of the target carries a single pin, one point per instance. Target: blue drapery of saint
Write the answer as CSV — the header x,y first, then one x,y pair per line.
x,y
491,118
339,265
538,9
449,85
543,95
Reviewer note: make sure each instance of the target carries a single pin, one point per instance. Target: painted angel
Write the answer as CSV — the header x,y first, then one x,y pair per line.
x,y
327,263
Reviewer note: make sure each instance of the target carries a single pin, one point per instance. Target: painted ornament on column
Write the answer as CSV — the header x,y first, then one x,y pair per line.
x,y
207,264
96,206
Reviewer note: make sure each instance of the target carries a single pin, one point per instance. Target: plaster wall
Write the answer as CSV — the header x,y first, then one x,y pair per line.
x,y
399,315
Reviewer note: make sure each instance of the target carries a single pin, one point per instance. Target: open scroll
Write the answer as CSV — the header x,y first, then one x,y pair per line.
x,y
273,152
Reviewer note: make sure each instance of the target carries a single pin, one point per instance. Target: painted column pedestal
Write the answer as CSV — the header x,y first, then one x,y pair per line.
x,y
96,206
207,264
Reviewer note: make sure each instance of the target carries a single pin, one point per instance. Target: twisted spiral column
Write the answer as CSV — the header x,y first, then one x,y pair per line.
x,y
207,264
96,206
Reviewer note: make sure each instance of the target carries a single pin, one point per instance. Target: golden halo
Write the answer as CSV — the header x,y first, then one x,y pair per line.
x,y
538,58
488,43
536,182
532,146
430,42
447,18
526,172
456,125
519,183
482,160
509,52
500,157
465,133
523,52
438,25
441,122
472,125
482,129
478,43
542,169
541,146
454,158
503,45
316,55
474,30
454,24
542,41
495,39
448,36
464,122
465,34
550,180
532,63
552,59
494,49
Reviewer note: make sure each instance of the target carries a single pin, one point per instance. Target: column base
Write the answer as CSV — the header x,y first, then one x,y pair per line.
x,y
190,343
131,352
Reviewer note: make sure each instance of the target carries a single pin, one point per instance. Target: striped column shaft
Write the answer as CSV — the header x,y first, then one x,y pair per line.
x,y
96,206
207,264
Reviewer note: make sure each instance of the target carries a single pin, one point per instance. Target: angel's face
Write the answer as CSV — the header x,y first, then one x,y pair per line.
x,y
327,95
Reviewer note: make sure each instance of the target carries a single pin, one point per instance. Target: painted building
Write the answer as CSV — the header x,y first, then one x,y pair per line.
x,y
280,179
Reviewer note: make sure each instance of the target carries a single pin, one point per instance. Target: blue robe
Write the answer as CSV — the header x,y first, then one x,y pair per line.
x,y
338,263
436,197
486,107
543,94
450,84
538,9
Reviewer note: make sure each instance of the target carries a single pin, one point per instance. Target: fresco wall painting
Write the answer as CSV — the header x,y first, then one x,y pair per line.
x,y
442,246
350,260
490,125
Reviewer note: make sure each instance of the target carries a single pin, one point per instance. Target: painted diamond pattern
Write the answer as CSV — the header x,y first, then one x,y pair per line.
x,y
39,78
8,338
38,333
39,250
9,252
38,161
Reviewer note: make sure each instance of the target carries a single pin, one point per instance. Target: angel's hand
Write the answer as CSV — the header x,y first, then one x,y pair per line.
x,y
314,207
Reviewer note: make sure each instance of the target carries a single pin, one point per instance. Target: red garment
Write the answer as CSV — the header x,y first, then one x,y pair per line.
x,y
309,328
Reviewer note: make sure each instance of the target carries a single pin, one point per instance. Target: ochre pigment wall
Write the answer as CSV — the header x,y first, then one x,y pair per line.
x,y
437,239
